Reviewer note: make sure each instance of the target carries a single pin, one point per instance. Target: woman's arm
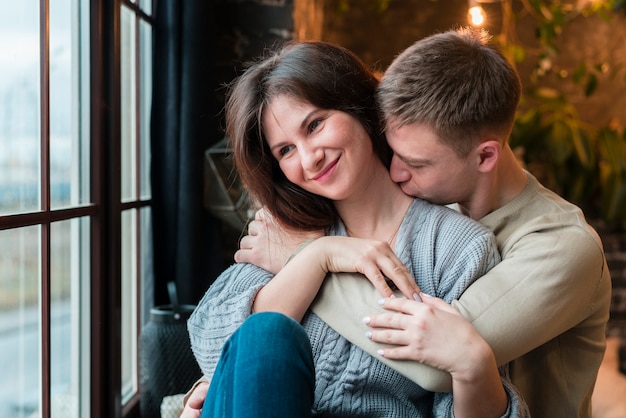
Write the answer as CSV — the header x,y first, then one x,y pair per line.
x,y
294,288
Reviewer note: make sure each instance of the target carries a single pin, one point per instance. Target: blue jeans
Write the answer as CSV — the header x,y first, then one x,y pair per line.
x,y
265,370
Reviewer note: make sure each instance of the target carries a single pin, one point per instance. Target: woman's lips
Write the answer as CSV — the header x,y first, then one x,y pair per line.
x,y
327,172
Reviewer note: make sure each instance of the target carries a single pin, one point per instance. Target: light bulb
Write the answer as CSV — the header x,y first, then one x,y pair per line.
x,y
476,16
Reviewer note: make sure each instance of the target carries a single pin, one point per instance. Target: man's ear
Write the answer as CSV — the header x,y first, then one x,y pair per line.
x,y
488,154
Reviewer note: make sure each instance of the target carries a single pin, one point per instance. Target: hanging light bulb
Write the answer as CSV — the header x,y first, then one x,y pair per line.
x,y
476,15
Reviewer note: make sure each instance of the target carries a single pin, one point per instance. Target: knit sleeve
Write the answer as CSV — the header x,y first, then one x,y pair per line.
x,y
459,252
224,307
443,406
464,260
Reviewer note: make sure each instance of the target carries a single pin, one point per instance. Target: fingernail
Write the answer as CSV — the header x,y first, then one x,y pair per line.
x,y
392,296
381,352
417,297
368,334
381,301
366,320
426,295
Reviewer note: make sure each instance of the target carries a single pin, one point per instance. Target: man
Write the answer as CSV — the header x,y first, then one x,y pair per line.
x,y
449,102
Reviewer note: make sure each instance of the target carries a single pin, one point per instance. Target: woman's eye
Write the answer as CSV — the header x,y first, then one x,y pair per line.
x,y
314,124
285,150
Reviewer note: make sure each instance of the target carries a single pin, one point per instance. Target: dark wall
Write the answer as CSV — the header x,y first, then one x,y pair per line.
x,y
243,30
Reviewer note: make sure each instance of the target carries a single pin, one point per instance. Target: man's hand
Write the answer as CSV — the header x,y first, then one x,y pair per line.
x,y
433,333
193,408
269,245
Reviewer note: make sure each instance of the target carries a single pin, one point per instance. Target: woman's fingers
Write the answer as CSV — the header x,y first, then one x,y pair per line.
x,y
377,261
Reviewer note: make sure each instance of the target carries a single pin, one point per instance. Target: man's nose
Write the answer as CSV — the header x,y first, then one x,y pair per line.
x,y
398,170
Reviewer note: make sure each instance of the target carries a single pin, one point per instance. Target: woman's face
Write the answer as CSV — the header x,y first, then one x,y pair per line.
x,y
326,152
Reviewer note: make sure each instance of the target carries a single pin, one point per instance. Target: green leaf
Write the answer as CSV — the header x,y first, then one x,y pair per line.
x,y
561,146
583,148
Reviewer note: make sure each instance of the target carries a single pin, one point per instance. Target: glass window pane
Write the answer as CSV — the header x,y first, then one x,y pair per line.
x,y
20,322
146,6
128,104
61,100
129,304
69,315
147,275
145,81
19,107
69,103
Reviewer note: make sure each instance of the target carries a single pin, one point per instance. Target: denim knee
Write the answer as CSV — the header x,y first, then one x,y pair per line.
x,y
278,326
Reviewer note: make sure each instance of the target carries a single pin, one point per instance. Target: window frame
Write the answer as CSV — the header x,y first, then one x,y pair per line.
x,y
106,296
104,210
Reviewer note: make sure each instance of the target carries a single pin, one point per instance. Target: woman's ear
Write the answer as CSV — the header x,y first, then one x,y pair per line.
x,y
488,154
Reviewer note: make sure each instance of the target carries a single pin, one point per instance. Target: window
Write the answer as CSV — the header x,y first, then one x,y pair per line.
x,y
136,83
75,88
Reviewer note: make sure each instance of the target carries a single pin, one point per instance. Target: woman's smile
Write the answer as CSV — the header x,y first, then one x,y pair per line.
x,y
327,172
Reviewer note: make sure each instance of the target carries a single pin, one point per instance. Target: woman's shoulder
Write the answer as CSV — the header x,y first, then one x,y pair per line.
x,y
425,214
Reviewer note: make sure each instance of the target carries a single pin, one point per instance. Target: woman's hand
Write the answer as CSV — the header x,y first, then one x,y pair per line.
x,y
294,287
269,245
374,259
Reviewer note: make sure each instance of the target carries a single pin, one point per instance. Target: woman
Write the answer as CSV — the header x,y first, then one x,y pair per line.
x,y
308,144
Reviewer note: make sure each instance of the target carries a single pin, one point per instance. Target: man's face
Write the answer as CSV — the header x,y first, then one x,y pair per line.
x,y
424,167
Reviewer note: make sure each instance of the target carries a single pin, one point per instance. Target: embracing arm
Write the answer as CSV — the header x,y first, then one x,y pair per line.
x,y
563,276
295,287
421,332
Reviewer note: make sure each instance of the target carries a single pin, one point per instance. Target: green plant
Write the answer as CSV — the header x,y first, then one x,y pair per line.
x,y
585,164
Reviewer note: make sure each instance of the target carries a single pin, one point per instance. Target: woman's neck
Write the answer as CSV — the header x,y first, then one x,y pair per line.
x,y
376,210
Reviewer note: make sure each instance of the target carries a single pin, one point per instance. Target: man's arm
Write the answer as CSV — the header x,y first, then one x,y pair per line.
x,y
422,332
547,283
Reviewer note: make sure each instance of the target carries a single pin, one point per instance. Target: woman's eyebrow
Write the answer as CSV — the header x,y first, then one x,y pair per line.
x,y
308,117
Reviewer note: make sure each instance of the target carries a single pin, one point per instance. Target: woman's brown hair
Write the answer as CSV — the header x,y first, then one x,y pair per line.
x,y
325,75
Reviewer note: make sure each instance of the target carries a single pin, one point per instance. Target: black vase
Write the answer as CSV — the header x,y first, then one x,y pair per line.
x,y
167,364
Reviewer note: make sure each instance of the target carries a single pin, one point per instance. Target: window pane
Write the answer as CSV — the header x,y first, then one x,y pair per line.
x,y
145,65
146,6
129,304
69,315
128,104
69,102
19,107
61,108
147,275
20,322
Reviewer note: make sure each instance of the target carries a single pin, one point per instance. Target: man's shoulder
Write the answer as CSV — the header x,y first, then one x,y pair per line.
x,y
538,209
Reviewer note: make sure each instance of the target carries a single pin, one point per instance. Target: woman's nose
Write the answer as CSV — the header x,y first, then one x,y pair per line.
x,y
311,157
